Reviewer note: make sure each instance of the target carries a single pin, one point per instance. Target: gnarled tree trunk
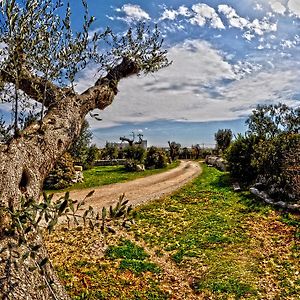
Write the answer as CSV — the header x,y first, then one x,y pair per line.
x,y
25,162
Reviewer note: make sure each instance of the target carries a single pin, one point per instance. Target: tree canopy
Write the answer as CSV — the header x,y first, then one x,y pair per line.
x,y
41,54
269,120
223,138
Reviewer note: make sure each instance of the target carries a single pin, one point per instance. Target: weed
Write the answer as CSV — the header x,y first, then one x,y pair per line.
x,y
230,244
222,237
133,257
226,286
126,249
138,266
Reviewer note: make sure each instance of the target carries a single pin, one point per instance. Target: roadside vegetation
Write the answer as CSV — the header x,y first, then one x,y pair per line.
x,y
99,176
268,154
222,244
136,162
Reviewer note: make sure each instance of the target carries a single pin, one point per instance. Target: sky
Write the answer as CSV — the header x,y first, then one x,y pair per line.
x,y
228,57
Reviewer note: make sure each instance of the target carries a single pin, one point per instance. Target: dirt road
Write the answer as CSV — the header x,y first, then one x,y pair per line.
x,y
143,189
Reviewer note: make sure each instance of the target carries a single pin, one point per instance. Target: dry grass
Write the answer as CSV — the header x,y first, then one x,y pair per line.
x,y
204,242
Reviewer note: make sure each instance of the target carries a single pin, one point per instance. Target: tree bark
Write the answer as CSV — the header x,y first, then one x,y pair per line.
x,y
18,281
25,162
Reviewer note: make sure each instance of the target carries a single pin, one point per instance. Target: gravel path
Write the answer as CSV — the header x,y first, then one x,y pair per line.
x,y
143,189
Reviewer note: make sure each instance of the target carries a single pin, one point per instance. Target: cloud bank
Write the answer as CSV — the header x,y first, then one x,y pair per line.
x,y
200,85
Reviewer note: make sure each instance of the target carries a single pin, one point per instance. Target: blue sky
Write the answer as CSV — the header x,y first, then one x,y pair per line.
x,y
228,56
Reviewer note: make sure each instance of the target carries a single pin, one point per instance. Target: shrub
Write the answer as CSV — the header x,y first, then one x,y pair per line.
x,y
239,156
110,151
196,151
62,174
223,138
156,158
136,153
270,158
79,148
185,153
270,154
292,170
91,156
206,152
131,165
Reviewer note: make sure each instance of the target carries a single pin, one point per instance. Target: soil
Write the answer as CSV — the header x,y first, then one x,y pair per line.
x,y
140,190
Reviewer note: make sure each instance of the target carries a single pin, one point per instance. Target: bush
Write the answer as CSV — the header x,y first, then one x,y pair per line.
x,y
62,175
110,151
185,153
239,156
92,155
292,170
273,163
270,160
270,154
156,158
223,138
131,165
79,148
134,153
206,152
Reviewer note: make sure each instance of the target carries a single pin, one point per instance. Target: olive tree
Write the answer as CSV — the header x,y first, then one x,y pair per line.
x,y
174,149
267,121
223,139
40,57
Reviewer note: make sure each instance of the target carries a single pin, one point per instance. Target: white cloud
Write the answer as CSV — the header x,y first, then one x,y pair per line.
x,y
265,86
294,7
204,13
132,13
230,102
244,68
258,7
281,6
86,78
258,27
262,26
169,14
183,11
278,7
233,18
135,12
182,89
288,44
200,85
174,27
198,20
248,36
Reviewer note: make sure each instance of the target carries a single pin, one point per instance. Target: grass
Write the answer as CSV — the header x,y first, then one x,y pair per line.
x,y
122,271
132,257
99,176
226,245
126,249
232,245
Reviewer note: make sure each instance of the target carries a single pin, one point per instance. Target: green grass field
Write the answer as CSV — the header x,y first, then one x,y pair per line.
x,y
228,245
99,176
